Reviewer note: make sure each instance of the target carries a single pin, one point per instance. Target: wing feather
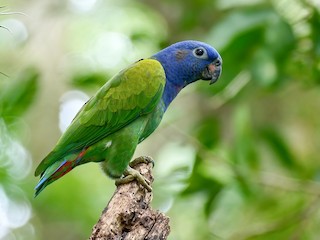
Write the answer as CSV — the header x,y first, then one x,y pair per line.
x,y
133,92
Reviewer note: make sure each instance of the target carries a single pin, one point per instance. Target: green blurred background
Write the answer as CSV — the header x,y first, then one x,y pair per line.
x,y
236,160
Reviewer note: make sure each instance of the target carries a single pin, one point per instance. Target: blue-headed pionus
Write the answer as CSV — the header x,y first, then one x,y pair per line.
x,y
126,110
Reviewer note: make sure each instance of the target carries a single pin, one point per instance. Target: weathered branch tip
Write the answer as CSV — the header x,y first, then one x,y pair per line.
x,y
128,215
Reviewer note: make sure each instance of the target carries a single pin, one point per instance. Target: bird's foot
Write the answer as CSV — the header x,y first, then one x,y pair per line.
x,y
142,159
130,175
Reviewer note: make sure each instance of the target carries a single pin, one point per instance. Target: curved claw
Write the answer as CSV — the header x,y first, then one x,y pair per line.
x,y
130,175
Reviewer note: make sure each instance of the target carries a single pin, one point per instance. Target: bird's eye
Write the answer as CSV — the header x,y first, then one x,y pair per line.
x,y
200,52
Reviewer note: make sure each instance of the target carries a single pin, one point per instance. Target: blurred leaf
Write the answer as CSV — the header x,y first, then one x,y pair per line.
x,y
280,44
207,131
279,147
279,39
263,68
90,80
17,96
237,57
257,39
244,146
237,23
315,38
200,183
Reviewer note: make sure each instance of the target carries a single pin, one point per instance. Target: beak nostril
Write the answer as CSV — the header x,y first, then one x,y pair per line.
x,y
217,63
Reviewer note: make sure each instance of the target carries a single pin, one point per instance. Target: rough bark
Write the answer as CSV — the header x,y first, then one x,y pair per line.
x,y
128,215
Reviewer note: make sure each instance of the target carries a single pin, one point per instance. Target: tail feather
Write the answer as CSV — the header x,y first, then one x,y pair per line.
x,y
56,171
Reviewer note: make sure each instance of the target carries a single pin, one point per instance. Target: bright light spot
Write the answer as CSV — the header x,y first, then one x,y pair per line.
x,y
315,3
13,155
12,214
21,162
83,5
16,164
18,214
16,28
111,48
4,203
71,102
3,230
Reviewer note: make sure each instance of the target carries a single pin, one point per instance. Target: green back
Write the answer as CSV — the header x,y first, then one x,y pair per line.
x,y
133,92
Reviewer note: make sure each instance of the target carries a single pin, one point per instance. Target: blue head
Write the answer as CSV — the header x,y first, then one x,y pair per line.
x,y
186,62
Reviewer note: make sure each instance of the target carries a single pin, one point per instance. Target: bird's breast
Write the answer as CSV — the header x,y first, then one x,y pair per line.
x,y
152,121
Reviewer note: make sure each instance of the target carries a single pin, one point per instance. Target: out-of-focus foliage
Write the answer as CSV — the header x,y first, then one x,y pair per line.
x,y
236,160
17,95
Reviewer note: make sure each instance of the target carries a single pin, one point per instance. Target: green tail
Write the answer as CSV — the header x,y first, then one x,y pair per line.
x,y
57,170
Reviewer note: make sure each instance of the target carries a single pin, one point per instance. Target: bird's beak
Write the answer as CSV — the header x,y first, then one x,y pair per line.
x,y
213,71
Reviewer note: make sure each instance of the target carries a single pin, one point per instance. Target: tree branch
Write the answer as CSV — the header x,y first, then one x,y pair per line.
x,y
128,215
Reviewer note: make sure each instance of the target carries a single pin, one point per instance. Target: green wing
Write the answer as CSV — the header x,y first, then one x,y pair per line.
x,y
133,92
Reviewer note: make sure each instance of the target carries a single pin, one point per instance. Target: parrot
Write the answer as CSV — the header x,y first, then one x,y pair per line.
x,y
126,110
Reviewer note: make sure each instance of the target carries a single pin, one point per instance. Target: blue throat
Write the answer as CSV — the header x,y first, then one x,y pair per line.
x,y
169,93
175,80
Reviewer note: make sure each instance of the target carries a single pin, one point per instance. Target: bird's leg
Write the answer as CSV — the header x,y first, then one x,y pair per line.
x,y
141,159
131,174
